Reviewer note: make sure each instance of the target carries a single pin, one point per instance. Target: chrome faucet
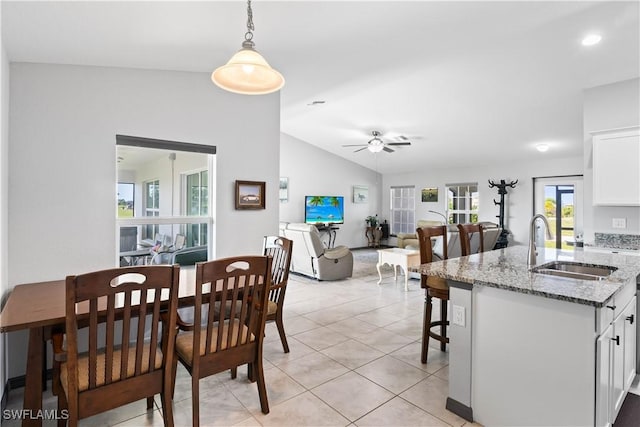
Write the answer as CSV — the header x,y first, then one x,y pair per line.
x,y
531,256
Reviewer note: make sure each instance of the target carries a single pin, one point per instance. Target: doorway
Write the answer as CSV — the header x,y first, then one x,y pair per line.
x,y
559,200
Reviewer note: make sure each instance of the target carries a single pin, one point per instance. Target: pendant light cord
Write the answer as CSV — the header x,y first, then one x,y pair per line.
x,y
250,27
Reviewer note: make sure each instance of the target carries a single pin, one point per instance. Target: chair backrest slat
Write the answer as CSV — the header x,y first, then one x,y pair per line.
x,y
110,327
126,333
93,340
142,316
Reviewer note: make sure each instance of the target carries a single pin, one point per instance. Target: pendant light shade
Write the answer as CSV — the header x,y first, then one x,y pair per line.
x,y
247,72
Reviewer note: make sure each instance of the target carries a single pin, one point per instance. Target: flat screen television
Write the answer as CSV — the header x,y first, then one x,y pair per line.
x,y
324,209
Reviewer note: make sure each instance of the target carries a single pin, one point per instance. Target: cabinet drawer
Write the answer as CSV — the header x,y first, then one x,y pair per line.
x,y
613,307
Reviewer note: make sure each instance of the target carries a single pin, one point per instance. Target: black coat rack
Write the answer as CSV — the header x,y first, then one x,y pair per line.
x,y
502,241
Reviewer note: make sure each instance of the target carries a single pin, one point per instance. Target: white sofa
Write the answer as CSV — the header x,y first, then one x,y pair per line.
x,y
311,258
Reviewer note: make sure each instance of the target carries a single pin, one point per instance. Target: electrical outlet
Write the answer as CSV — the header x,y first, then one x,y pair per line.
x,y
458,315
619,222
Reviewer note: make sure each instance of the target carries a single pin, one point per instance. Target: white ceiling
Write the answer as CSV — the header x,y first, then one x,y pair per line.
x,y
466,81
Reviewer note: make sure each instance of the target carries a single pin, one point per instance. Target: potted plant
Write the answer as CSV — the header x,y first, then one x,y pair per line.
x,y
372,221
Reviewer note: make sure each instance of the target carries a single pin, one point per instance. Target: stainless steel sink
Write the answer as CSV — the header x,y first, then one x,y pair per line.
x,y
575,270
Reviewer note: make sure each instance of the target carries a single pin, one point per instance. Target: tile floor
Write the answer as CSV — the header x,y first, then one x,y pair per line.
x,y
354,361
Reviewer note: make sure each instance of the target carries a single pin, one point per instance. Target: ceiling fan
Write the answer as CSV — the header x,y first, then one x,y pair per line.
x,y
376,144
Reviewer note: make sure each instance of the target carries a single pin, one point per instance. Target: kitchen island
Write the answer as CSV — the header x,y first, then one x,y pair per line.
x,y
534,349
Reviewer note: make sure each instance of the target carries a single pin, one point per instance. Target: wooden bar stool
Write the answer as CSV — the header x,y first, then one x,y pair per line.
x,y
466,234
435,287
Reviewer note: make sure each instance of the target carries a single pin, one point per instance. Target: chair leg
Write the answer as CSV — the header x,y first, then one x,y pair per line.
x,y
283,336
174,371
251,372
195,401
443,326
234,372
167,407
62,405
262,389
426,323
150,402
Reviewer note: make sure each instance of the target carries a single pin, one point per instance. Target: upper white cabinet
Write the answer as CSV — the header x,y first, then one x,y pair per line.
x,y
616,167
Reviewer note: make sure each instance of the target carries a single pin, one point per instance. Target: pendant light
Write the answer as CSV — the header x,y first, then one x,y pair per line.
x,y
247,72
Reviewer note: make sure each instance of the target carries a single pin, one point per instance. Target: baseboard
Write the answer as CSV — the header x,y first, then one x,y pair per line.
x,y
459,409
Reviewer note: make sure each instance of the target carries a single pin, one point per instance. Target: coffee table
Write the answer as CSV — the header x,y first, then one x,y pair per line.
x,y
395,257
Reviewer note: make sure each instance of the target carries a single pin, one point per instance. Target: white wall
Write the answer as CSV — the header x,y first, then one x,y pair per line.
x,y
612,106
4,194
518,201
62,148
315,172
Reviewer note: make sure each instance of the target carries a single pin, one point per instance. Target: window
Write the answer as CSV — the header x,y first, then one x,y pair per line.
x,y
403,205
152,206
164,190
462,203
197,204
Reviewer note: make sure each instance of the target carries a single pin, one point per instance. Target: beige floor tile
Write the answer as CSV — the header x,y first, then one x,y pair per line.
x,y
392,374
443,373
298,324
352,327
383,340
272,351
352,354
321,338
410,327
412,354
352,395
280,387
431,395
313,369
302,410
379,318
399,412
218,407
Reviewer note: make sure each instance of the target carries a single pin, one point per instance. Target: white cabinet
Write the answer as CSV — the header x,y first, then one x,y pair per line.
x,y
616,369
616,174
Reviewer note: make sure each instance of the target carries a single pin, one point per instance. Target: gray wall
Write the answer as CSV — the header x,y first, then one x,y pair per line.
x,y
63,166
315,172
612,106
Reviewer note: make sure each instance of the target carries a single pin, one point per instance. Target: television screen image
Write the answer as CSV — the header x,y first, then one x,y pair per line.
x,y
324,209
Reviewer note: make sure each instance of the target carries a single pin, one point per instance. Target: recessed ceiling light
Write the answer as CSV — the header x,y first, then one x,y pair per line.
x,y
542,147
591,39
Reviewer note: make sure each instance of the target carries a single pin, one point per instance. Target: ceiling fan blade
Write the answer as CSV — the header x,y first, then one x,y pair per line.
x,y
388,150
398,143
356,145
360,149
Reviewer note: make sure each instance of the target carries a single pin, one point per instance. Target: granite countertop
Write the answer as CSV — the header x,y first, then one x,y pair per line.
x,y
507,269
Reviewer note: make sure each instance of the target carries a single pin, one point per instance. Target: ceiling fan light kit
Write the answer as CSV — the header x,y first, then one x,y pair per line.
x,y
376,144
247,72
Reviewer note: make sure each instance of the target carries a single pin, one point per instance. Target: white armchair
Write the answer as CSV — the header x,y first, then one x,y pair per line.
x,y
311,258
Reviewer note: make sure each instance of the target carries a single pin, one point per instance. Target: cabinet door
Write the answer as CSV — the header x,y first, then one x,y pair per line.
x,y
629,367
604,349
616,175
617,386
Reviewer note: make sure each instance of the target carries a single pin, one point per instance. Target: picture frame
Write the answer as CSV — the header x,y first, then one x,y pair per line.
x,y
429,194
250,194
360,194
283,189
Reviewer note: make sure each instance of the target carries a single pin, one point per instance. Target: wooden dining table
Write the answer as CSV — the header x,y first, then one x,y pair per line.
x,y
40,308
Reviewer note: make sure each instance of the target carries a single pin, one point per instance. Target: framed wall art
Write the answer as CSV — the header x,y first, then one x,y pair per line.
x,y
250,194
283,190
360,194
430,194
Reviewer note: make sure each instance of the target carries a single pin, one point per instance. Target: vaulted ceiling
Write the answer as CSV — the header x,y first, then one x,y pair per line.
x,y
465,81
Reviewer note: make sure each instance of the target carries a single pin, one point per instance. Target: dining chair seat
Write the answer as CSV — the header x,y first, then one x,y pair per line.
x,y
83,367
185,341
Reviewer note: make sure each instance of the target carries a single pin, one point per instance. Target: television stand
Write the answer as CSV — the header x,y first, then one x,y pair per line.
x,y
330,229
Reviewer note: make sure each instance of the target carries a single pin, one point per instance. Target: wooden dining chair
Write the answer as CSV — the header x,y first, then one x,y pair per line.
x,y
125,358
220,341
279,248
435,287
466,232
